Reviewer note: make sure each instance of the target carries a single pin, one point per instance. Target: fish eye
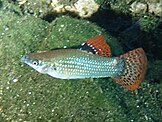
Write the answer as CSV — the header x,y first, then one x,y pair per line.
x,y
35,62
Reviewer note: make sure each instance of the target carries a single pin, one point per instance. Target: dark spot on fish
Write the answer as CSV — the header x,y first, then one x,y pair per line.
x,y
88,48
54,67
35,62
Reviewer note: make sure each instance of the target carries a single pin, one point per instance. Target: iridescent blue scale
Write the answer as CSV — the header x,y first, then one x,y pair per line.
x,y
84,65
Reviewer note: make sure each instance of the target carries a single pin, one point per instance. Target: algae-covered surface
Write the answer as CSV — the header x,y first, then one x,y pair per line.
x,y
29,96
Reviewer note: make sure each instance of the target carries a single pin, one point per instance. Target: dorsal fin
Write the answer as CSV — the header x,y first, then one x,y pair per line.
x,y
97,45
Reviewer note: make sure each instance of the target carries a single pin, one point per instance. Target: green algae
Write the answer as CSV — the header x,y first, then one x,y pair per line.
x,y
71,32
37,8
26,95
30,96
148,22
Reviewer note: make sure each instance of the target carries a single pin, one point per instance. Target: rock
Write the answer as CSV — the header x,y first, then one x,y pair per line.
x,y
153,7
40,8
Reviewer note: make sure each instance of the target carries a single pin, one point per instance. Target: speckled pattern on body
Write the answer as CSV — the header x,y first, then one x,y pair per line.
x,y
75,63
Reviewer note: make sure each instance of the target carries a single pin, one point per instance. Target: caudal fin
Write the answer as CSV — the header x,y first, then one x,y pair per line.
x,y
135,68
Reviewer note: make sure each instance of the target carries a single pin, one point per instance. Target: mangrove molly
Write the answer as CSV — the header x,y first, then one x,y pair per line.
x,y
91,60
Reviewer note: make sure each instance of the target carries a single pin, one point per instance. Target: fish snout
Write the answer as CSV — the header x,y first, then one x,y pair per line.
x,y
24,58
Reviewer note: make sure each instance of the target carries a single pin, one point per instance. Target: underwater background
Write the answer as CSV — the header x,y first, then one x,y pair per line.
x,y
38,25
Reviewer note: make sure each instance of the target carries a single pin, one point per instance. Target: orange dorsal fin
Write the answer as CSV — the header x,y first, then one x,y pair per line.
x,y
97,45
135,68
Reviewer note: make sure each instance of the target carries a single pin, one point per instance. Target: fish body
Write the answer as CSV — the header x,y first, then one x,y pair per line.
x,y
92,60
75,64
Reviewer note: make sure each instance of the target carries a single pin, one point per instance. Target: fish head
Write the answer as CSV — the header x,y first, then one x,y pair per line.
x,y
36,64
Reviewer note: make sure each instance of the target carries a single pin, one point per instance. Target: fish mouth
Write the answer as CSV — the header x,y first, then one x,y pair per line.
x,y
24,59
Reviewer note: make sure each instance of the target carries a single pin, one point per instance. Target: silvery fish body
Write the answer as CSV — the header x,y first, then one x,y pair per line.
x,y
74,64
92,60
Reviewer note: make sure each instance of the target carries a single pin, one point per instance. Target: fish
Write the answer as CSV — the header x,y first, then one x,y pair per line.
x,y
91,60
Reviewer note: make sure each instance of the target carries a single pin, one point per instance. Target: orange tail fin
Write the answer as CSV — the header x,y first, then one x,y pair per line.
x,y
135,68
